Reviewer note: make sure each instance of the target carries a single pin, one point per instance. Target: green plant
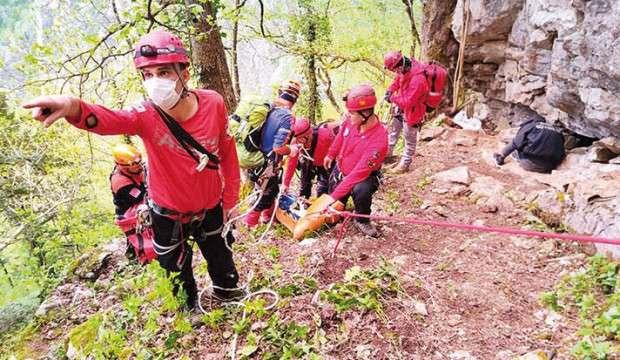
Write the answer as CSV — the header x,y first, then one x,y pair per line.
x,y
214,318
364,289
423,182
591,293
392,199
587,349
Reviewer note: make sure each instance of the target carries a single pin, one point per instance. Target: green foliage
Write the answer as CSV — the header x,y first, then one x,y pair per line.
x,y
392,199
287,340
423,182
49,215
593,294
364,289
214,318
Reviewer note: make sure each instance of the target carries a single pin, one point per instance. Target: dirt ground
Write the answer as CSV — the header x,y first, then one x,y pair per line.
x,y
468,295
480,289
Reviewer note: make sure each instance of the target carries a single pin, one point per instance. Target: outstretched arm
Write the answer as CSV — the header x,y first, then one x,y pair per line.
x,y
90,117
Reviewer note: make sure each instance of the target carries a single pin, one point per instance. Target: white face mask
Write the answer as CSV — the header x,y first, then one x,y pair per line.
x,y
163,92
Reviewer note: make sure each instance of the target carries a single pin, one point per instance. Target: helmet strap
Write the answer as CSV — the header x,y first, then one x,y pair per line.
x,y
177,70
406,64
366,114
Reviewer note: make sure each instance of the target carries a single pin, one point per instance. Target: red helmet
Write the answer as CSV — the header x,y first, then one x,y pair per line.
x,y
392,59
301,127
159,47
361,97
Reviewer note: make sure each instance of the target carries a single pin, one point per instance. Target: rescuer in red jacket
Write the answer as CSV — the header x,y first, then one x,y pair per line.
x,y
308,150
408,91
187,194
359,150
127,178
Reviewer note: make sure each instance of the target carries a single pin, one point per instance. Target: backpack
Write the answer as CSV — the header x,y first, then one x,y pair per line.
x,y
247,134
544,144
436,75
139,238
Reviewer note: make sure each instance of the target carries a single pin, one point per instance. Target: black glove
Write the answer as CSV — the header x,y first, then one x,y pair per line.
x,y
387,96
499,159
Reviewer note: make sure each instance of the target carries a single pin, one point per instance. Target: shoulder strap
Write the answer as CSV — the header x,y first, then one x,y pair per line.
x,y
187,141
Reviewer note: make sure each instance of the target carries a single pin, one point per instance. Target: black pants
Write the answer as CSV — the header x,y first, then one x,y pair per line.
x,y
308,172
208,235
270,189
362,192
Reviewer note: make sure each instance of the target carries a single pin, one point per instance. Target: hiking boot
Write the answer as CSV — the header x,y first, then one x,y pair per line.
x,y
390,159
191,304
400,169
227,295
251,219
367,229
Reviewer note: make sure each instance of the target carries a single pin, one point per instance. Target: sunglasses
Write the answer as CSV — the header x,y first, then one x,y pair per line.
x,y
151,51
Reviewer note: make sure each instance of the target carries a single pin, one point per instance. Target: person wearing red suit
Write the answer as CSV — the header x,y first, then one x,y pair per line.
x,y
308,150
408,92
187,194
359,150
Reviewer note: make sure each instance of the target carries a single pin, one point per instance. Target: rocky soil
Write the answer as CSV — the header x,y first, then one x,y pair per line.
x,y
467,295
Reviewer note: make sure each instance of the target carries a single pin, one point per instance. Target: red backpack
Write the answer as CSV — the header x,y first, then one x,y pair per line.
x,y
141,240
436,75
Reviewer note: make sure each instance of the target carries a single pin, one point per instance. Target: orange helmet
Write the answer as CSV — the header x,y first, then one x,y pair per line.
x,y
127,155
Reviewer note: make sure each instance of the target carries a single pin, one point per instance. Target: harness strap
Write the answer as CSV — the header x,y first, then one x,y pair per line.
x,y
175,215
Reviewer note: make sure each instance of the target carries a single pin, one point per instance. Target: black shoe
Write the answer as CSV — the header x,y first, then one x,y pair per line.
x,y
367,229
228,295
499,159
191,304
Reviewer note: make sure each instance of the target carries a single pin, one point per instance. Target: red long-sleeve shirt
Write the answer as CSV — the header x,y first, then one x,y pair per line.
x,y
357,154
174,182
409,91
325,137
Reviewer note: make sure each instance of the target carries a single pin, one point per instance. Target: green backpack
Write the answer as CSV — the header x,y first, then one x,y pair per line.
x,y
247,134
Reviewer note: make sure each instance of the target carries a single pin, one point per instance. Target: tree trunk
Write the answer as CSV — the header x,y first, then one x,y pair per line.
x,y
235,60
438,42
209,58
323,75
415,36
313,92
313,102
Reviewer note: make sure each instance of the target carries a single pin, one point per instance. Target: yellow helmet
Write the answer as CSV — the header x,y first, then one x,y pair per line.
x,y
125,154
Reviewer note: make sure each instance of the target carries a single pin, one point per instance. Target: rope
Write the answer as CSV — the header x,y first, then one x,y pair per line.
x,y
273,213
240,303
228,225
459,66
481,228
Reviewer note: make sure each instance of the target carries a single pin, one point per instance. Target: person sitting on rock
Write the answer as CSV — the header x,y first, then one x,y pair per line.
x,y
539,146
308,150
359,150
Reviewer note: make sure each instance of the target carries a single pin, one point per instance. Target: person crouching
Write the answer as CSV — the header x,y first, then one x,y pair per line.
x,y
359,150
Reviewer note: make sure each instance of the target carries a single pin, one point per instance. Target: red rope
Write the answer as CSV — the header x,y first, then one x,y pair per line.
x,y
495,229
341,232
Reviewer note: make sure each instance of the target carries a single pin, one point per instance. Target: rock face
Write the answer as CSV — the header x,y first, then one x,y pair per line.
x,y
595,209
560,58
